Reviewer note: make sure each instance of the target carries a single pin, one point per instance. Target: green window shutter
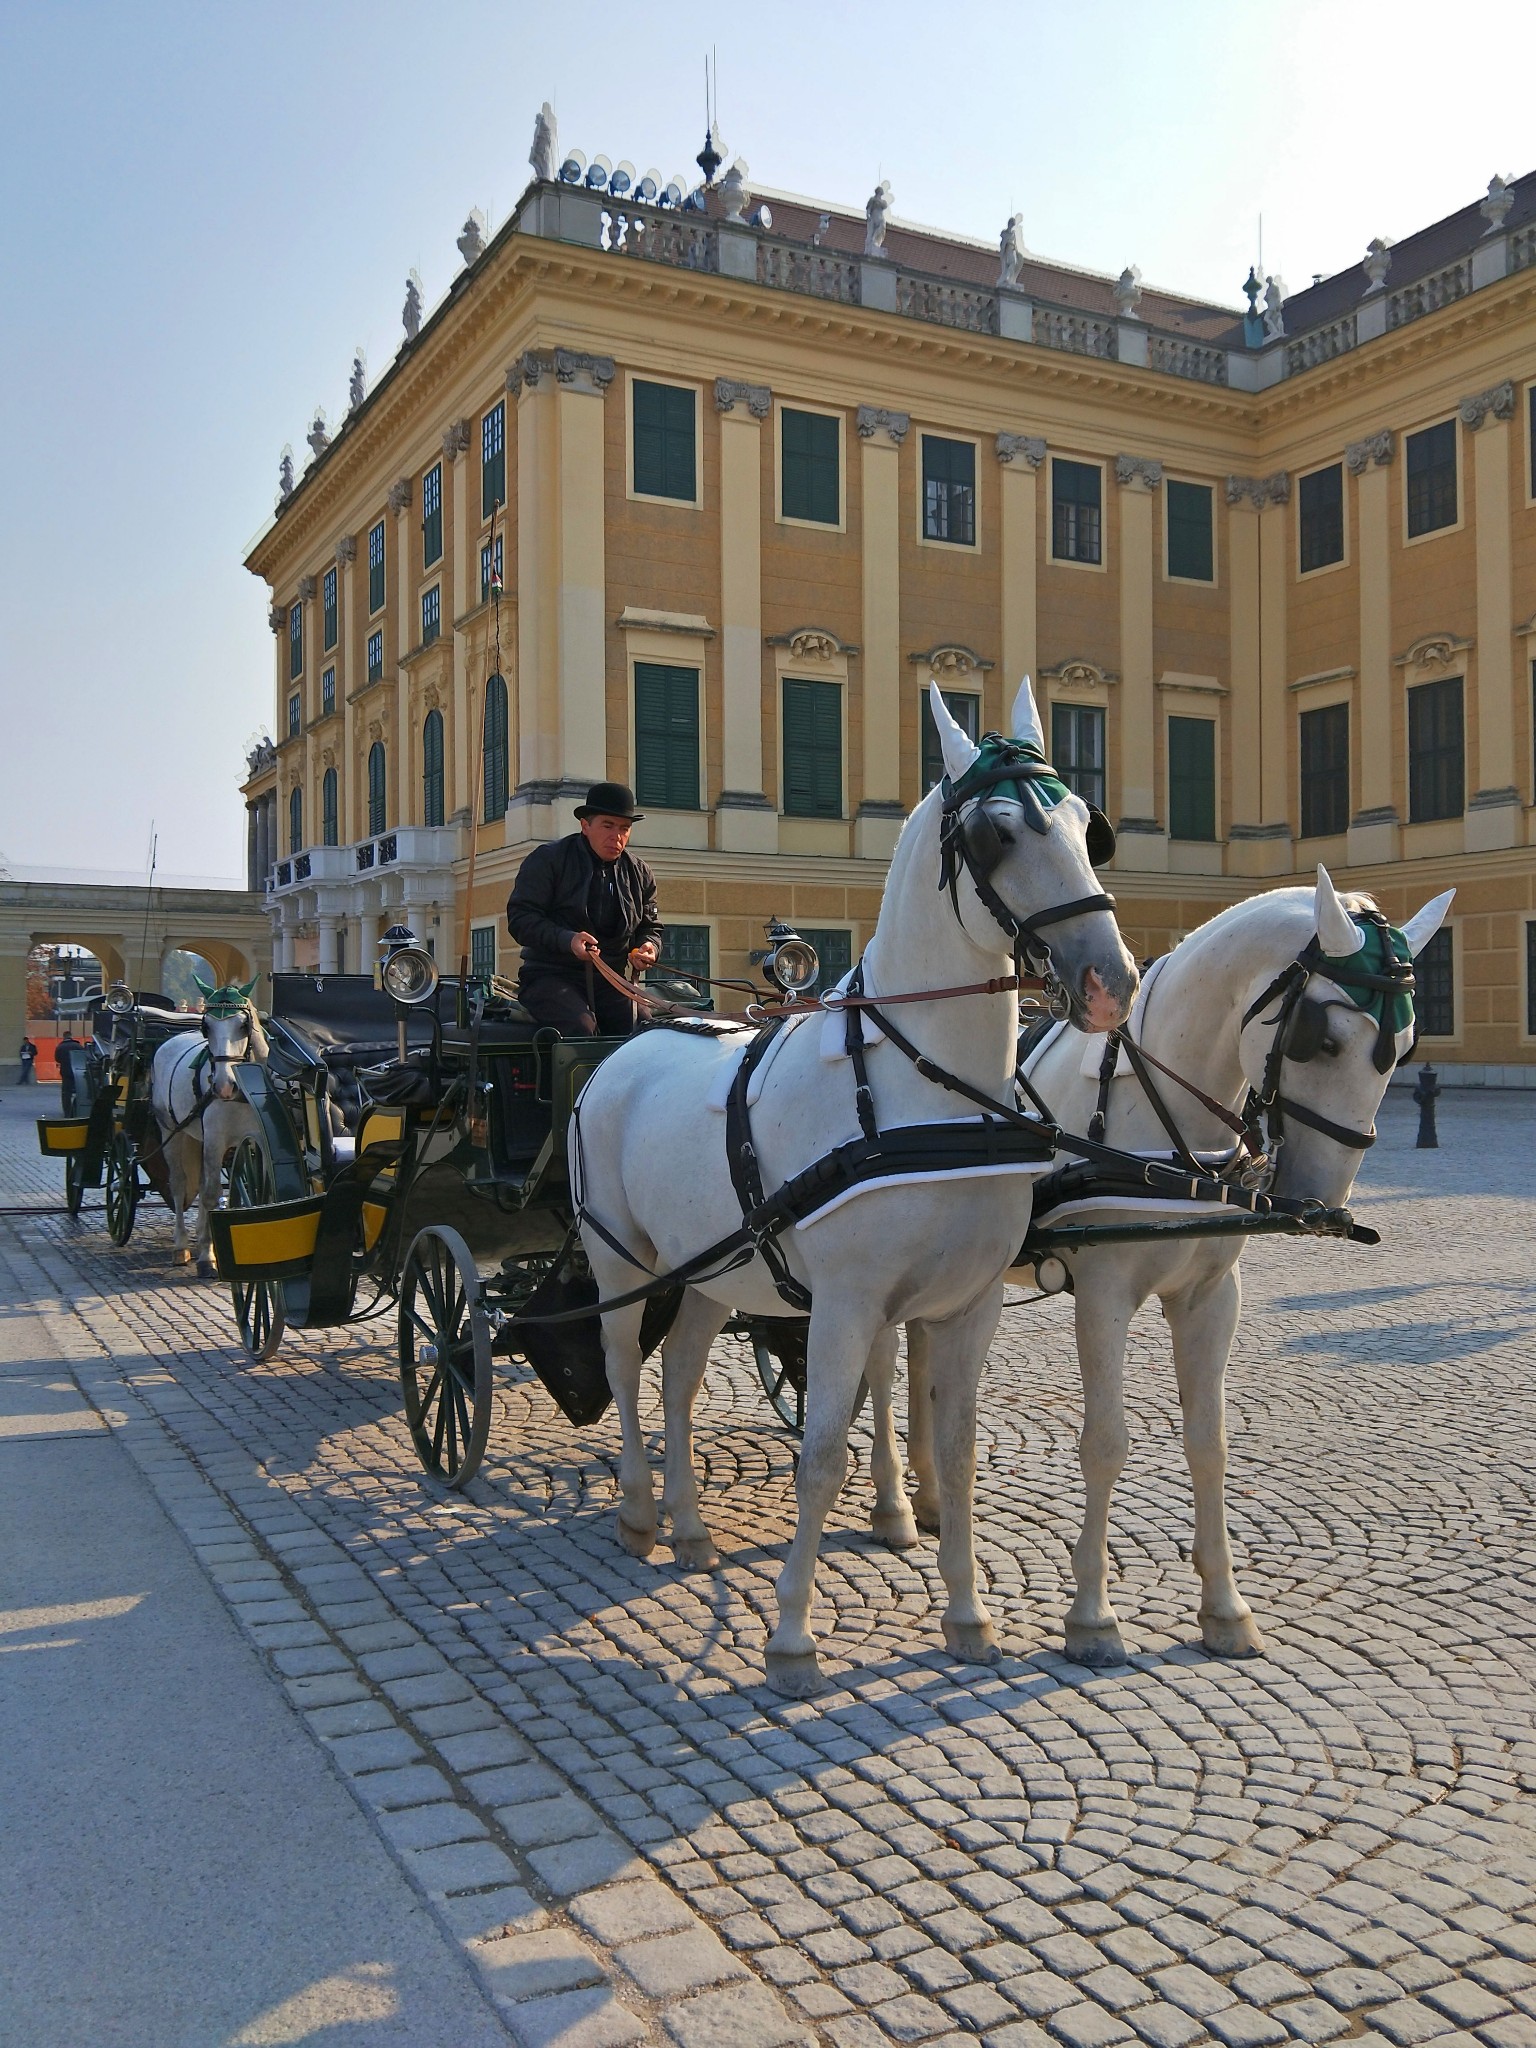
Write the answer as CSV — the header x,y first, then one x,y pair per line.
x,y
1431,467
328,821
685,946
1322,517
1077,529
665,458
482,951
376,568
1191,778
813,749
1437,771
376,788
834,951
1324,771
432,769
1435,997
296,821
1191,552
949,490
495,749
666,736
432,516
1077,749
809,466
493,460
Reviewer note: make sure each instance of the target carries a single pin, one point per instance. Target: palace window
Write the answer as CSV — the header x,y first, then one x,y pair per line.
x,y
965,709
664,434
431,614
493,460
376,568
685,946
1324,771
495,763
1436,751
490,558
327,692
1431,466
328,607
295,821
376,789
482,951
295,715
1434,1001
432,769
1191,531
295,639
813,749
1077,749
432,516
1077,511
329,828
666,736
1321,498
1191,778
376,656
809,486
834,950
949,491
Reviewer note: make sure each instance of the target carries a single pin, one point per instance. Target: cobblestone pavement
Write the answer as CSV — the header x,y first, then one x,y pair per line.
x,y
573,1755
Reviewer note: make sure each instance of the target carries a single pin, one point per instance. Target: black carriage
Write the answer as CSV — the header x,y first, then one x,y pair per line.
x,y
412,1152
110,1134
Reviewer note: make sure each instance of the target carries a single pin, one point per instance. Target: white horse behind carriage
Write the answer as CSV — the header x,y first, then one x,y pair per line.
x,y
200,1110
1302,997
649,1162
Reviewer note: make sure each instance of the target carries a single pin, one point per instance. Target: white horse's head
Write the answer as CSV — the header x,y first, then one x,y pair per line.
x,y
1022,848
1321,1050
229,1028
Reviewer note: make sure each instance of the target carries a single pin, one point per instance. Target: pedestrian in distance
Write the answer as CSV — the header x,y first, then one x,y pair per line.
x,y
28,1061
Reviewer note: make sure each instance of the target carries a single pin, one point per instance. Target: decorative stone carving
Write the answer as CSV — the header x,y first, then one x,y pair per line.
x,y
471,241
432,698
874,419
1031,447
455,439
1274,308
1142,469
357,383
346,550
1376,448
1128,293
319,435
950,663
757,398
810,643
306,589
285,475
1434,650
277,617
1498,399
398,497
530,366
1078,674
876,208
327,757
375,728
1260,491
1495,208
733,191
410,313
580,372
261,755
1011,251
1378,261
545,153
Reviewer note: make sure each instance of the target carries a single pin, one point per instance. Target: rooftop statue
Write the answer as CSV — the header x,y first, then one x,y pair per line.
x,y
1010,251
410,314
471,242
875,211
1274,308
319,435
544,155
357,383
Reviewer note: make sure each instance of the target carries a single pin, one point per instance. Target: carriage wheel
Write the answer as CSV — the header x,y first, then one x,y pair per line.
x,y
122,1188
74,1183
445,1355
259,1310
783,1379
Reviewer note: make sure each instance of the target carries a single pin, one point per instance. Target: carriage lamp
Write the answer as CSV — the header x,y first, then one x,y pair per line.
x,y
118,999
790,962
409,976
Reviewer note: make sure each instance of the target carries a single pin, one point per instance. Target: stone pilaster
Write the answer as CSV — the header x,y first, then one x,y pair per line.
x,y
1493,812
1143,834
878,823
1375,829
1019,457
745,821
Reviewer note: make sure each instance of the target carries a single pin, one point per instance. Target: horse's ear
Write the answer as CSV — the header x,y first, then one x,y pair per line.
x,y
1027,729
1337,933
250,988
959,751
203,989
1423,925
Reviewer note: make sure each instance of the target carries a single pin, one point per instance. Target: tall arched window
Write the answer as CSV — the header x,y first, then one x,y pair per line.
x,y
432,769
376,788
495,749
295,821
328,826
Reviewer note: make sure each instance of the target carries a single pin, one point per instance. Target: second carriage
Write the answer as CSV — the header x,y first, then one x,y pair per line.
x,y
108,1134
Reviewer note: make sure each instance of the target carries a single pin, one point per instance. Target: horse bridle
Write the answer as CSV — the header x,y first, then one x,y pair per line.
x,y
969,839
1301,1031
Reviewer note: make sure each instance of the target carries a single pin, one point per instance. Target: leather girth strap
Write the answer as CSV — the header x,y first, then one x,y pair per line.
x,y
746,1175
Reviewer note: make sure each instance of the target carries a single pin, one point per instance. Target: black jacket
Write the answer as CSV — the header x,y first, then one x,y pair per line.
x,y
548,904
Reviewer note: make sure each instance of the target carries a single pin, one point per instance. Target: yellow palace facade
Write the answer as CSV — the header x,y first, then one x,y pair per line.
x,y
749,473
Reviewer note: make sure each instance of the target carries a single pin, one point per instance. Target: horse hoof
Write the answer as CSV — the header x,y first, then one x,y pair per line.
x,y
796,1675
897,1531
927,1518
182,1258
1238,1637
206,1270
695,1554
1097,1648
638,1542
973,1642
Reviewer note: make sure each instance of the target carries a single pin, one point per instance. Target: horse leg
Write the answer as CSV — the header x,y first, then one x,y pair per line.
x,y
891,1521
208,1193
182,1182
925,1505
1103,1323
1202,1322
684,1356
621,1352
838,1346
958,1354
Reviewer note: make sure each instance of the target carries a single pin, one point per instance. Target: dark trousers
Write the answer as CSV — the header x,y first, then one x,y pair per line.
x,y
577,1008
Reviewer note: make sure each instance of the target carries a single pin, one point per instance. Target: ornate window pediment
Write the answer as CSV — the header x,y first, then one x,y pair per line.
x,y
951,663
812,643
1434,651
1080,675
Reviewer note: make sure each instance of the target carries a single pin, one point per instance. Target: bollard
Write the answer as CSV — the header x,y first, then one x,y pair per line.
x,y
1425,1089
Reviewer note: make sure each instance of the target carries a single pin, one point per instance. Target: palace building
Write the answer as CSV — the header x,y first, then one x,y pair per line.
x,y
748,470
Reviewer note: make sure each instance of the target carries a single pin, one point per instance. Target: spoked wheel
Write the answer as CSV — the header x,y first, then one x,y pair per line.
x,y
778,1345
259,1311
74,1184
445,1355
122,1188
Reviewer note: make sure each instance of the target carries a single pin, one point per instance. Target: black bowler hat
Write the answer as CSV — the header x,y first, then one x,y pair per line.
x,y
610,800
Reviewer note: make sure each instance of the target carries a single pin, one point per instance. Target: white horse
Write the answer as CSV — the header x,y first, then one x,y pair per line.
x,y
200,1110
1211,1011
649,1162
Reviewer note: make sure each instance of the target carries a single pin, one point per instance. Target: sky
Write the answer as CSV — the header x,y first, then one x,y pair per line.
x,y
204,210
